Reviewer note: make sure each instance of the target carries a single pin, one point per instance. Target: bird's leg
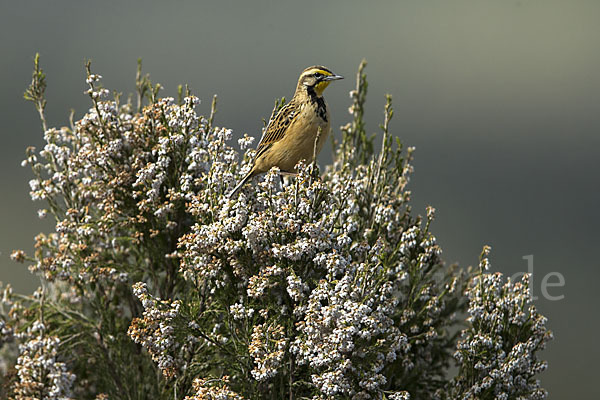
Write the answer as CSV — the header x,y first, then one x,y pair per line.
x,y
287,174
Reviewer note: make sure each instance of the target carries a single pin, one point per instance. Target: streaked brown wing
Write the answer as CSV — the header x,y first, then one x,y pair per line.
x,y
277,127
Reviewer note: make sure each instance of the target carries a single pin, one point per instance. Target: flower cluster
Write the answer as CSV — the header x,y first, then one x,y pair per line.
x,y
155,329
497,354
40,374
213,389
267,350
8,350
323,285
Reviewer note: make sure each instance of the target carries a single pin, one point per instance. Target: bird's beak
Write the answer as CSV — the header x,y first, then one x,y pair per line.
x,y
333,78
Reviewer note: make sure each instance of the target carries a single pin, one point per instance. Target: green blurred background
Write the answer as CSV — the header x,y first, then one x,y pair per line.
x,y
500,98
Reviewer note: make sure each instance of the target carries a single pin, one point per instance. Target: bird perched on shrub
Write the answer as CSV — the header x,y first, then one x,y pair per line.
x,y
290,136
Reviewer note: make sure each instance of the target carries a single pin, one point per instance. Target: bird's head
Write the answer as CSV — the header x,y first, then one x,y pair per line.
x,y
317,78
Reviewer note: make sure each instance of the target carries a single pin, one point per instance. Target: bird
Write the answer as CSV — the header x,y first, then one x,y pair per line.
x,y
290,136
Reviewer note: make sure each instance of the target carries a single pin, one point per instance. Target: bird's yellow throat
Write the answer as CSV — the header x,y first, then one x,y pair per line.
x,y
320,87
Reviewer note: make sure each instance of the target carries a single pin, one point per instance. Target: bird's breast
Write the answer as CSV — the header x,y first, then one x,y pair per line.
x,y
312,120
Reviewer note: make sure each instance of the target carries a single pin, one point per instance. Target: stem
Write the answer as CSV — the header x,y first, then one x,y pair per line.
x,y
213,111
291,382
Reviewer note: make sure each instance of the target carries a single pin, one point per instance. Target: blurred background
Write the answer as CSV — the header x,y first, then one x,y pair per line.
x,y
500,98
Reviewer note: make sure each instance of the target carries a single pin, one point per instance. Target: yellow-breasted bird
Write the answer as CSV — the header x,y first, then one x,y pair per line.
x,y
290,136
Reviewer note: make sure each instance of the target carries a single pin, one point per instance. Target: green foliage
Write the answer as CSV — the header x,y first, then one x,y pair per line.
x,y
35,90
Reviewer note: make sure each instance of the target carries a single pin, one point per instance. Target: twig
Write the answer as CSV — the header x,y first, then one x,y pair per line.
x,y
213,111
314,160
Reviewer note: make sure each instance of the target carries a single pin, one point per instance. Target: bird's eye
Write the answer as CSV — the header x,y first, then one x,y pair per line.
x,y
318,75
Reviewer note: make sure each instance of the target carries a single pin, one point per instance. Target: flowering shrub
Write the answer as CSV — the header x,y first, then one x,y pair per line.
x,y
497,353
157,284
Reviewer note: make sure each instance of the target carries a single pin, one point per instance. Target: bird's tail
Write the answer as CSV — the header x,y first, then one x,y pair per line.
x,y
242,183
